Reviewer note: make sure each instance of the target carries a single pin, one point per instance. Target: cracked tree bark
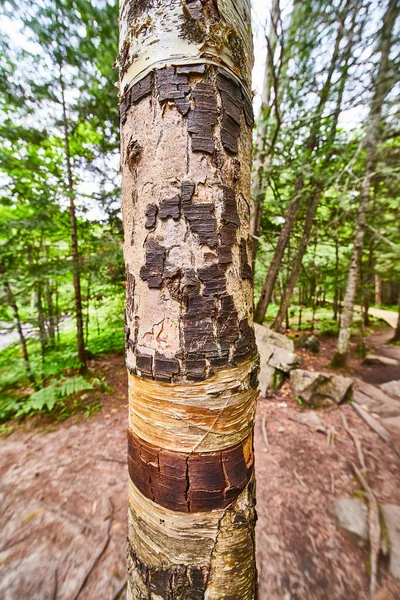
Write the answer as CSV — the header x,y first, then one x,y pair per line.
x,y
382,86
186,120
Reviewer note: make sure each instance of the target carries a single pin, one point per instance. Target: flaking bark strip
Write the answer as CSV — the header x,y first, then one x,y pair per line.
x,y
138,91
190,482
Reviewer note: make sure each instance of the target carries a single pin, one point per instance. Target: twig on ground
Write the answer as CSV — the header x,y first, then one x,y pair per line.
x,y
317,428
86,526
264,433
55,588
374,529
107,459
313,544
118,593
332,483
299,479
330,436
8,545
356,441
100,553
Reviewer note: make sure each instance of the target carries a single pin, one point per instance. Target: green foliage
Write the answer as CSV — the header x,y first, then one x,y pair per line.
x,y
50,395
19,398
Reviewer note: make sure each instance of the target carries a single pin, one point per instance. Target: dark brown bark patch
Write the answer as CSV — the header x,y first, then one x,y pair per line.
x,y
173,86
189,482
138,91
170,207
232,103
229,211
178,582
245,343
202,118
152,271
130,294
151,216
165,367
246,271
202,221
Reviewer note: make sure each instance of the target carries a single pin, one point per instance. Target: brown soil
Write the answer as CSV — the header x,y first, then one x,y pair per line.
x,y
64,490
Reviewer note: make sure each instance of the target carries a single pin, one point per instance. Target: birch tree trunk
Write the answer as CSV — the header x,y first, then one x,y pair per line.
x,y
186,120
382,86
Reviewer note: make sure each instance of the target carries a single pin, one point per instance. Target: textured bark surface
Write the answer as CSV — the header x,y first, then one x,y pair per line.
x,y
186,120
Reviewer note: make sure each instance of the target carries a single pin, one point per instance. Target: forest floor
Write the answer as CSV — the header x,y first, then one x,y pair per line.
x,y
64,495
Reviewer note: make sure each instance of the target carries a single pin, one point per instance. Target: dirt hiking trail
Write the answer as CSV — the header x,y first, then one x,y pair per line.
x,y
64,497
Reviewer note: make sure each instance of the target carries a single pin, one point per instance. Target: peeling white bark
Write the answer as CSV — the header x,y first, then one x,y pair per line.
x,y
154,39
208,415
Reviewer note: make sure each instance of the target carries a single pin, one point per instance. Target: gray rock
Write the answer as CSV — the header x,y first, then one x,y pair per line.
x,y
309,342
281,359
320,389
391,514
352,515
265,334
374,359
276,358
392,388
269,379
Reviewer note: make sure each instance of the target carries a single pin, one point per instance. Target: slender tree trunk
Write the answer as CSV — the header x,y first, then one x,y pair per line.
x,y
336,278
381,88
57,315
284,235
378,290
49,300
74,234
191,354
294,206
294,274
397,331
12,302
40,313
50,312
87,310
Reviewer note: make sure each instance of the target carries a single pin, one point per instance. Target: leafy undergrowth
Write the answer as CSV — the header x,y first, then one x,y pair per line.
x,y
57,388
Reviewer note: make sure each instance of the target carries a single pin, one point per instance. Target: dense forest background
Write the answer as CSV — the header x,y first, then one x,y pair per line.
x,y
326,183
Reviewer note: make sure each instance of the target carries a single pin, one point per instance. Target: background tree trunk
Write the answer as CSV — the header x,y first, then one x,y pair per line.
x,y
290,218
191,354
74,235
382,86
12,302
319,186
270,82
397,331
378,290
